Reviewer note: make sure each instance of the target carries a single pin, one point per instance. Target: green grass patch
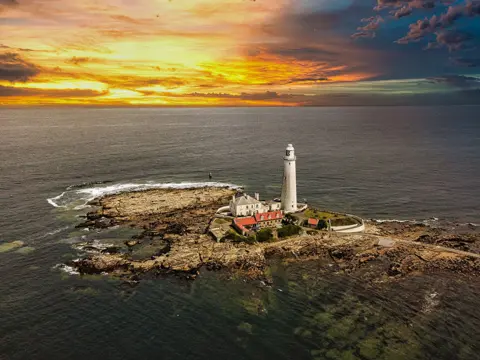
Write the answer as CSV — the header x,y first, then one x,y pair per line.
x,y
343,221
265,235
233,236
318,214
289,230
221,221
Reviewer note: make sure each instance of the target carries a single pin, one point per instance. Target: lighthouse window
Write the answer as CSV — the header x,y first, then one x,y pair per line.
x,y
288,152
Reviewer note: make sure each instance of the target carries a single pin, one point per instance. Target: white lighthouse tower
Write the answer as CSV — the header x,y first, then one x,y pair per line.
x,y
289,189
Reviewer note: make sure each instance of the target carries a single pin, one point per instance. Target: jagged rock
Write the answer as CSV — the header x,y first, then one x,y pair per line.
x,y
394,269
132,243
94,216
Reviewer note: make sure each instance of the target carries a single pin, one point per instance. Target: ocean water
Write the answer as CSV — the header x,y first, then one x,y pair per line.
x,y
377,162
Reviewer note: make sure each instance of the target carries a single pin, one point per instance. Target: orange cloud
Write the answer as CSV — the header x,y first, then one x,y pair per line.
x,y
165,53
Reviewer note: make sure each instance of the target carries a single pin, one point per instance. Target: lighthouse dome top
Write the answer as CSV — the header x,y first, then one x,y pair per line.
x,y
290,153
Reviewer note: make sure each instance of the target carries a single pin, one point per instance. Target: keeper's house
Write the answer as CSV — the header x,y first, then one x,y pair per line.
x,y
245,205
245,225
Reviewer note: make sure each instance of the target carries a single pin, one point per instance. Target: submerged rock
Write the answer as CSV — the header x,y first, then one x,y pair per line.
x,y
25,250
5,247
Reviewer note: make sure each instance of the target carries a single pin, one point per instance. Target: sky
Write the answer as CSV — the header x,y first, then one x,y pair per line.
x,y
239,52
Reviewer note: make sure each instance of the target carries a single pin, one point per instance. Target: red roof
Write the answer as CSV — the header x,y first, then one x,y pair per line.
x,y
313,221
272,215
246,221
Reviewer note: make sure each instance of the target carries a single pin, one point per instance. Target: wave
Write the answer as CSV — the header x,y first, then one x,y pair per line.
x,y
79,198
70,270
425,221
55,232
85,184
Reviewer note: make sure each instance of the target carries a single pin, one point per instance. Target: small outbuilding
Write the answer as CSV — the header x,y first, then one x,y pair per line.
x,y
313,223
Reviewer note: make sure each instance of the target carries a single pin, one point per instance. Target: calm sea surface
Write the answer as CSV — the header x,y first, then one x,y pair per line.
x,y
383,163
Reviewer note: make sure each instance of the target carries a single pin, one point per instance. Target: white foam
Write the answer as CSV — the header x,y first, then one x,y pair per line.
x,y
94,246
413,221
56,231
52,201
79,198
391,220
70,270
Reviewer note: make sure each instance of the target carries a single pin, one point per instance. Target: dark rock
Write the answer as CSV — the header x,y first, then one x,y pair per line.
x,y
176,228
341,253
112,250
103,223
394,269
94,216
427,239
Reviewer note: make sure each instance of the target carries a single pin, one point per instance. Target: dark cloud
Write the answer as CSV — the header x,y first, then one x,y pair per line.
x,y
458,96
311,79
321,38
20,50
418,4
424,27
79,60
13,68
8,91
453,40
403,11
267,95
368,30
466,62
8,3
5,4
457,81
127,19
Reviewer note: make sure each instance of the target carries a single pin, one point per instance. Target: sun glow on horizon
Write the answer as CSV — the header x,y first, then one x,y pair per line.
x,y
179,52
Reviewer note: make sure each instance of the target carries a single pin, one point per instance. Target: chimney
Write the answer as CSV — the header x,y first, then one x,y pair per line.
x,y
257,196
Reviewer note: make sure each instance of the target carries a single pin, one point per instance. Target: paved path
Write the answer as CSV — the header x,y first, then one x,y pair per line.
x,y
418,244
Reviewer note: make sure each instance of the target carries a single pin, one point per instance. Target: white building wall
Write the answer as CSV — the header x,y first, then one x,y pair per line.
x,y
289,188
252,209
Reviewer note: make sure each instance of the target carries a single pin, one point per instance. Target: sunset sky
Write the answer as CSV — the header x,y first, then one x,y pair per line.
x,y
239,52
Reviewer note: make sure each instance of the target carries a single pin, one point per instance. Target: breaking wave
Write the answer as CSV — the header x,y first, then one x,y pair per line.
x,y
85,184
413,221
77,199
70,270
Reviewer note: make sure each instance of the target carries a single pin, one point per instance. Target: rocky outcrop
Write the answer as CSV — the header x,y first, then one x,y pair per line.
x,y
174,239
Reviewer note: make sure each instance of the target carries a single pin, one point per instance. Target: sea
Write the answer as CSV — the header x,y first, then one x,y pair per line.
x,y
397,163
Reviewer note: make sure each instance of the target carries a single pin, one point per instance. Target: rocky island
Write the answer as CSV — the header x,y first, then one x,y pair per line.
x,y
174,236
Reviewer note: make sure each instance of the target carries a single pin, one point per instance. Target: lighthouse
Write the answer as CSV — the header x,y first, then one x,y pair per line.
x,y
289,188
